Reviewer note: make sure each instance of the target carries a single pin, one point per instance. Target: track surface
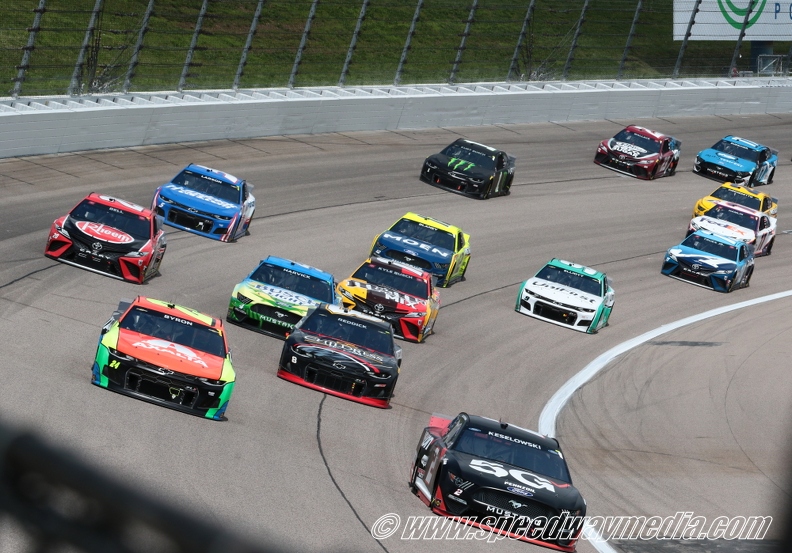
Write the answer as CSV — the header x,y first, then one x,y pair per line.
x,y
669,427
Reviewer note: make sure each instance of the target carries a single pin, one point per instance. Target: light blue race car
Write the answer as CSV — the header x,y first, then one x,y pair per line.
x,y
737,160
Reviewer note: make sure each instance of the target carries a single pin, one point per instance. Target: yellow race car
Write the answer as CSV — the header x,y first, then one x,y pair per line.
x,y
739,195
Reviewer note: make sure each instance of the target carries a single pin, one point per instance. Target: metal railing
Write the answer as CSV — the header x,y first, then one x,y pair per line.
x,y
100,46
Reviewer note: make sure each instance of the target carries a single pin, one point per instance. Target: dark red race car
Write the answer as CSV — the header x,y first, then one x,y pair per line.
x,y
640,152
110,236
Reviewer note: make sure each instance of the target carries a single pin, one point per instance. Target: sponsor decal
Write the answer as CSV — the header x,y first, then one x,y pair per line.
x,y
353,323
453,497
412,242
388,294
427,440
200,196
630,149
570,291
515,440
519,491
525,489
104,232
282,294
177,350
498,470
461,164
343,347
97,246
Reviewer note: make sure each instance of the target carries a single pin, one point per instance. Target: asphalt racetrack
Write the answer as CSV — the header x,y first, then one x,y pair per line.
x,y
696,420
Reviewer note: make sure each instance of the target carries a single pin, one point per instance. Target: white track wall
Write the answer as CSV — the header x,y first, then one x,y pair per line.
x,y
51,125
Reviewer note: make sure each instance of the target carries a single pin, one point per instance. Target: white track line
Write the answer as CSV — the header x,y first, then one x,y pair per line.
x,y
549,415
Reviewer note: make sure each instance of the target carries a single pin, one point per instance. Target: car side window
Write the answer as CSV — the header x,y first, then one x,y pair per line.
x,y
501,162
743,253
764,223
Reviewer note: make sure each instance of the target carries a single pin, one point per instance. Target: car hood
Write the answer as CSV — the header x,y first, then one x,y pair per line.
x,y
460,167
391,299
278,297
724,228
342,356
630,151
107,236
200,201
708,261
726,160
170,356
562,294
418,248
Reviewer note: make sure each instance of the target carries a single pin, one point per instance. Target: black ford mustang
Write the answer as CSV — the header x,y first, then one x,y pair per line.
x,y
343,353
471,169
500,478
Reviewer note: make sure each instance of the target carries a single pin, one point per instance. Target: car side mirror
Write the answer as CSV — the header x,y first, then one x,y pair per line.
x,y
397,353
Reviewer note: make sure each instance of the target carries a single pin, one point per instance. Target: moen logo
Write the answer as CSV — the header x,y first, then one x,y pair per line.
x,y
736,16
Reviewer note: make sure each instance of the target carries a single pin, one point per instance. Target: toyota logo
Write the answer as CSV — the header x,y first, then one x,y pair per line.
x,y
695,266
622,158
379,308
97,246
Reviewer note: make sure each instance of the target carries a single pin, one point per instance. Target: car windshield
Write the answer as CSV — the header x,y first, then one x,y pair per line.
x,y
209,185
463,158
425,233
353,330
649,144
736,150
295,281
137,226
737,197
393,278
173,328
584,283
513,450
739,218
708,245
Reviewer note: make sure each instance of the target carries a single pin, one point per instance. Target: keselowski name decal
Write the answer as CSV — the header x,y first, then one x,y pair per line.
x,y
630,149
200,196
343,346
515,440
104,233
412,242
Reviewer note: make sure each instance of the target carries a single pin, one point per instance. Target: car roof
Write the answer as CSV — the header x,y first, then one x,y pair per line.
x,y
180,311
491,425
118,203
429,221
717,238
299,267
214,173
576,268
338,310
750,144
737,207
476,146
646,132
741,189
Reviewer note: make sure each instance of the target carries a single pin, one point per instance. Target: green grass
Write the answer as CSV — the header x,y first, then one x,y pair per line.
x,y
487,55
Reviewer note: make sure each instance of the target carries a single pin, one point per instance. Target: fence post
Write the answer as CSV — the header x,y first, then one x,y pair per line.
x,y
628,46
733,64
28,49
465,34
248,43
514,67
133,62
74,85
410,33
573,46
685,40
303,42
353,43
193,44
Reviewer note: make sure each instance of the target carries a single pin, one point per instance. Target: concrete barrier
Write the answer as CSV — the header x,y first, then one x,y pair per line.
x,y
48,125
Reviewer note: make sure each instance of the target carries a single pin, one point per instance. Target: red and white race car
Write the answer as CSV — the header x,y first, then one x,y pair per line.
x,y
640,152
110,236
739,223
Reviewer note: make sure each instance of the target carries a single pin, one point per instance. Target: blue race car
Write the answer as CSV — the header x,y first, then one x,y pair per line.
x,y
737,160
277,294
711,261
207,202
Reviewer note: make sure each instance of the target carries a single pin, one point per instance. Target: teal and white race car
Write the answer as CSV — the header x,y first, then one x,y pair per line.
x,y
277,294
568,294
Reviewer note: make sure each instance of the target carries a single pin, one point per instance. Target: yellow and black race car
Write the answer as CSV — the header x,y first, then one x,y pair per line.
x,y
737,194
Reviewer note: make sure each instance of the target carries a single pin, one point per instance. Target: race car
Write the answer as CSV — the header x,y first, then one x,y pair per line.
x,y
166,354
711,261
277,294
395,292
738,194
737,160
109,236
471,169
342,353
426,243
568,294
206,202
738,222
639,152
500,478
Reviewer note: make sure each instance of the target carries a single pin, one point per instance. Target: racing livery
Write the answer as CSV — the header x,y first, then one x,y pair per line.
x,y
568,294
166,354
277,294
342,353
639,152
426,243
740,223
109,236
206,202
398,293
738,194
737,160
711,261
471,169
498,477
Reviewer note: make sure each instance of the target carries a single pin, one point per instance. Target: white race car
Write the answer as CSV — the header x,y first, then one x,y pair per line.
x,y
740,223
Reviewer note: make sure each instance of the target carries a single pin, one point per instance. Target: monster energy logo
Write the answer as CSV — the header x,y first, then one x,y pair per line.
x,y
456,163
736,16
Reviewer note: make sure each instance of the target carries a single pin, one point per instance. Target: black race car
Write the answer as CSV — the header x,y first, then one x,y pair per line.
x,y
471,169
498,477
343,353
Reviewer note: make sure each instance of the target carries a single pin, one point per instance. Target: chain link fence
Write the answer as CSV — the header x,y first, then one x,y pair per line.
x,y
99,46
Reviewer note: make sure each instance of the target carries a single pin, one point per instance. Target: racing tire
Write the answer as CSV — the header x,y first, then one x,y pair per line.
x,y
747,280
771,177
752,180
486,194
247,230
672,171
769,248
413,476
